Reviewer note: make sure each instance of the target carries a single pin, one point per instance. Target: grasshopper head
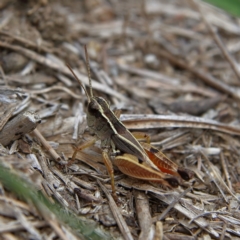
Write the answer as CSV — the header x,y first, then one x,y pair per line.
x,y
96,107
95,110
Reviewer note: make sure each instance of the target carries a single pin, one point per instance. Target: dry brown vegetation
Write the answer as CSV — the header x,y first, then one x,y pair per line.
x,y
171,66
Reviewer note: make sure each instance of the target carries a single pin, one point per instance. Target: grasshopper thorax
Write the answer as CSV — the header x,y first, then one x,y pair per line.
x,y
97,106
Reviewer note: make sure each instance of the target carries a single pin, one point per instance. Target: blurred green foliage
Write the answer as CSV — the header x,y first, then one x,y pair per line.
x,y
230,6
86,229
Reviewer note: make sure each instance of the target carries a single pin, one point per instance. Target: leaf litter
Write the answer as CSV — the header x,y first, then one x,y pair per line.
x,y
172,69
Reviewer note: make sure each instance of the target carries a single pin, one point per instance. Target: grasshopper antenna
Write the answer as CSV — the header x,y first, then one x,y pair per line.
x,y
75,76
88,70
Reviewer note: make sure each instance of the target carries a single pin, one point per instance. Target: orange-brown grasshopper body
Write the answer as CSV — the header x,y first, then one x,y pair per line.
x,y
132,158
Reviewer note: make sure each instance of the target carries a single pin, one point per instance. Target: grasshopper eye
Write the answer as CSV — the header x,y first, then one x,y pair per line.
x,y
94,109
93,105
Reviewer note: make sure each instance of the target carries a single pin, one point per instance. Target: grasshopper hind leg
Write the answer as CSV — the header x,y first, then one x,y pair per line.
x,y
130,165
109,166
142,136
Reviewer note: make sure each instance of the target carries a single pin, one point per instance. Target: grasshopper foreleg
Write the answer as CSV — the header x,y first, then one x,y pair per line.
x,y
80,148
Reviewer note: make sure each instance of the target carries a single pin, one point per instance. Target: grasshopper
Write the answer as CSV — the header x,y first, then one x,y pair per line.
x,y
132,158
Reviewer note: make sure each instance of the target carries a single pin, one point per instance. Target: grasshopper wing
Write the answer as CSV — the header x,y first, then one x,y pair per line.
x,y
164,164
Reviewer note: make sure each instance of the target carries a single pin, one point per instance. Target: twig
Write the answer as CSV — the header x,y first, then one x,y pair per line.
x,y
170,206
225,170
159,231
218,177
123,227
144,216
218,41
184,207
7,112
149,74
205,214
140,121
223,231
47,146
17,203
26,223
18,127
207,78
26,42
61,68
17,226
3,76
73,188
54,88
